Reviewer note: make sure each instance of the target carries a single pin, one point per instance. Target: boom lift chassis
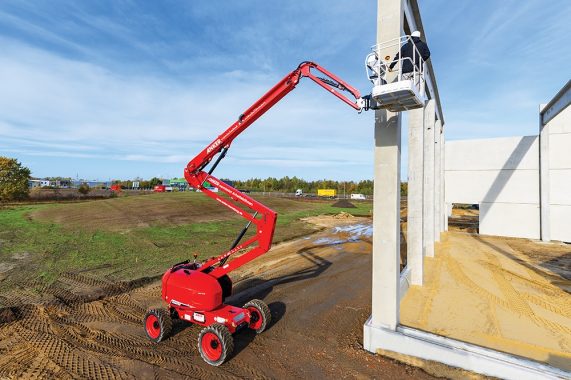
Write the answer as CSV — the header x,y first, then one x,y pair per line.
x,y
195,292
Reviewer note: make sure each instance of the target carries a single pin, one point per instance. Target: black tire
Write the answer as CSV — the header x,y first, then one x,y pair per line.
x,y
261,315
216,350
158,324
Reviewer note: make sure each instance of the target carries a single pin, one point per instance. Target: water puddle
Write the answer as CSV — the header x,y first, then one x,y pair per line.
x,y
346,234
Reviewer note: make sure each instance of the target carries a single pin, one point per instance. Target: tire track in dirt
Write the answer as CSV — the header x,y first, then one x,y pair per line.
x,y
434,285
79,334
461,277
518,303
69,348
71,359
559,307
513,303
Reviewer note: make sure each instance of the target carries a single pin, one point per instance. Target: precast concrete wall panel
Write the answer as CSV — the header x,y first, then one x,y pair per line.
x,y
560,188
510,219
500,154
559,150
502,175
507,186
560,222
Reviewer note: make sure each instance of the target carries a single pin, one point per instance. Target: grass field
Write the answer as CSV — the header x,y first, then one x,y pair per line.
x,y
130,237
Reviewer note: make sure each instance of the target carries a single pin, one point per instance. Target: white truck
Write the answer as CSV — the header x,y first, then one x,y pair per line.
x,y
298,193
358,196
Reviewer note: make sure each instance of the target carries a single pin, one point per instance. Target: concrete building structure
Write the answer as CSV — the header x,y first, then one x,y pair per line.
x,y
521,183
555,166
383,331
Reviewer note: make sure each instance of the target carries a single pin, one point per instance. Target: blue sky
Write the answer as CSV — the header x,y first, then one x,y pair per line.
x,y
119,89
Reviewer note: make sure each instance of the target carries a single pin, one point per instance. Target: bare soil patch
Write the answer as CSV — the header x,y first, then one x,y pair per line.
x,y
150,210
317,287
464,220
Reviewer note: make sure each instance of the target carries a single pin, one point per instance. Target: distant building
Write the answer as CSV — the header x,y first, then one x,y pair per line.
x,y
33,183
92,184
61,183
179,183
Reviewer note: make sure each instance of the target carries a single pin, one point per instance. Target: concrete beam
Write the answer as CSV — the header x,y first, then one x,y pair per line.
x,y
420,344
428,188
412,13
559,102
386,208
437,180
415,254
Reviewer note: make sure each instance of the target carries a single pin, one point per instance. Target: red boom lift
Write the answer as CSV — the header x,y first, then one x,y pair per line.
x,y
195,292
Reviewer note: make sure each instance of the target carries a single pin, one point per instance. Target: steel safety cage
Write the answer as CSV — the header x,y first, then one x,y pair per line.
x,y
394,89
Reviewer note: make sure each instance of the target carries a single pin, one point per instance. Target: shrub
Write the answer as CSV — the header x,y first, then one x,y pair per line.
x,y
13,180
84,189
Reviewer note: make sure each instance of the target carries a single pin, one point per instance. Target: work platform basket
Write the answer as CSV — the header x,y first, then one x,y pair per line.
x,y
394,89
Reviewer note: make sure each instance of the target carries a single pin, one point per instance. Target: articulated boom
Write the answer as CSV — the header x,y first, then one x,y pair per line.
x,y
196,292
264,218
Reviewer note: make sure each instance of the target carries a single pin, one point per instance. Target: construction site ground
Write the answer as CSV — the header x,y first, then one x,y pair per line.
x,y
317,287
507,294
511,295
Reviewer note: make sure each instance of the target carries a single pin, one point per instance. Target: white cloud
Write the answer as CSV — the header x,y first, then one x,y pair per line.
x,y
53,106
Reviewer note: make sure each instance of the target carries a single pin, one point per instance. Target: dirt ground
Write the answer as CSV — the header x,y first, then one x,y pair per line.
x,y
145,211
464,220
317,287
512,295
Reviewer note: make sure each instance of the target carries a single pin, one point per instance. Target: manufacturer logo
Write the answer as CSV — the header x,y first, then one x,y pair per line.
x,y
213,146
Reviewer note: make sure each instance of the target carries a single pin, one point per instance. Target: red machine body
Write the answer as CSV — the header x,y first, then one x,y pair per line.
x,y
191,289
195,292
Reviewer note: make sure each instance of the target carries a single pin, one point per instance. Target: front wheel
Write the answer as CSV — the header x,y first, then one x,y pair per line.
x,y
260,315
158,324
215,344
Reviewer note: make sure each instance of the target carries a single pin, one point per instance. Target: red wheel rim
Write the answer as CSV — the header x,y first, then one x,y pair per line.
x,y
256,319
211,346
153,326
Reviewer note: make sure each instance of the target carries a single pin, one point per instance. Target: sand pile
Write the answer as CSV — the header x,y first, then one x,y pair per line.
x,y
343,215
343,203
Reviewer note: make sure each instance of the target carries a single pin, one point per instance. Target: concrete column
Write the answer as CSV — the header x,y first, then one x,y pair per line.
x,y
414,253
437,181
386,206
428,188
443,176
545,227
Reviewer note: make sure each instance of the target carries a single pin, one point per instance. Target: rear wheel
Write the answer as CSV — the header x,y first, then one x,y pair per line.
x,y
260,315
215,344
158,324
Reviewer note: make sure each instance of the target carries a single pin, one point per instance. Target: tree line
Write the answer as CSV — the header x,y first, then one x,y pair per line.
x,y
14,183
291,184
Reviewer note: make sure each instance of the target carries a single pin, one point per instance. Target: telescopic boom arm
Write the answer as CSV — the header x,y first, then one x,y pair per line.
x,y
263,218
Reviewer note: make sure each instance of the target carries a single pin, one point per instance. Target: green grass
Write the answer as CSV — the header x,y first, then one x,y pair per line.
x,y
53,249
